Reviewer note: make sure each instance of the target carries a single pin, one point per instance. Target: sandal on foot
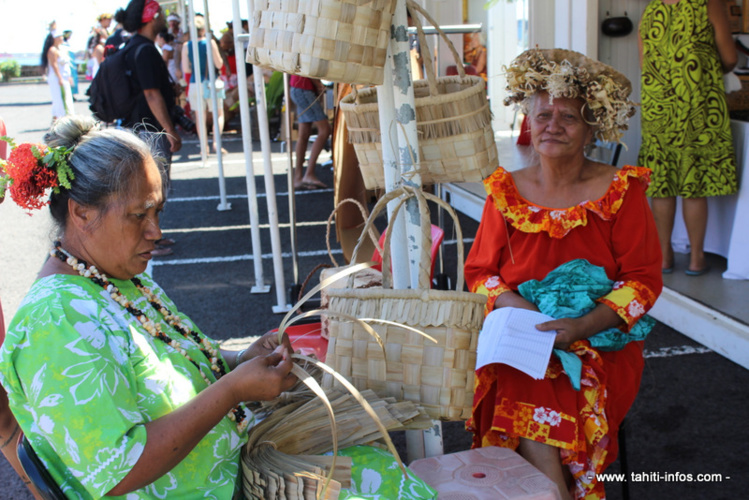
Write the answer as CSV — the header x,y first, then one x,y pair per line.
x,y
698,272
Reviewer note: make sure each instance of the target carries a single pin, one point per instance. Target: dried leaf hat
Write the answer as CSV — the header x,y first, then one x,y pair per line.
x,y
566,73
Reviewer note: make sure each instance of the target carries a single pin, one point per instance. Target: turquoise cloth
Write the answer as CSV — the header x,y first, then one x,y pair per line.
x,y
570,291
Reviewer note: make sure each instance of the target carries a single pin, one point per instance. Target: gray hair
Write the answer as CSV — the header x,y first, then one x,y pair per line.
x,y
104,162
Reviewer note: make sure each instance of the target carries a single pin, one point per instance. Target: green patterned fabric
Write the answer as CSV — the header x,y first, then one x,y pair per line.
x,y
376,475
686,130
83,377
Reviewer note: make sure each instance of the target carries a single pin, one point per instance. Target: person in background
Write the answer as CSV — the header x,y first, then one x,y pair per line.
x,y
173,27
188,66
56,63
151,115
118,392
474,53
583,229
307,95
685,47
154,107
164,41
74,63
95,46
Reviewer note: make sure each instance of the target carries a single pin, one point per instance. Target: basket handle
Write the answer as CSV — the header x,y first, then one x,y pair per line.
x,y
371,232
428,64
425,260
426,236
427,243
425,263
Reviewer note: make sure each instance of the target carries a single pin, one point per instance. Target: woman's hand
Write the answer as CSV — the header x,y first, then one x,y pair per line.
x,y
264,377
569,331
263,346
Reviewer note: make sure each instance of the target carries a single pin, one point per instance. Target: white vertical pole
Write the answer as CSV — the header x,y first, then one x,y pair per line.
x,y
244,113
389,139
408,139
197,87
290,183
223,204
270,190
418,443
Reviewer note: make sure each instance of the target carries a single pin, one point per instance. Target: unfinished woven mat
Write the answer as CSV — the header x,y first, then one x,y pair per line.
x,y
453,119
338,40
437,375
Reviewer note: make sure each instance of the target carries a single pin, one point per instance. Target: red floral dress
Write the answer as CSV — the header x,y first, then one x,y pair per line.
x,y
518,241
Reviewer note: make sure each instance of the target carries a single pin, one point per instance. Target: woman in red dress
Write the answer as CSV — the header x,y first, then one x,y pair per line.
x,y
565,207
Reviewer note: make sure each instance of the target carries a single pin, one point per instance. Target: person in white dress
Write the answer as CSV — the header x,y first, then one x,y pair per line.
x,y
56,62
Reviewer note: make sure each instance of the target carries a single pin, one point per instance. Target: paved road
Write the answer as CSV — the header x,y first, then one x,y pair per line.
x,y
689,417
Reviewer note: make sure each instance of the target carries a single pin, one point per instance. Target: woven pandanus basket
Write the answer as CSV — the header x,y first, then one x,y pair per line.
x,y
438,376
453,119
337,40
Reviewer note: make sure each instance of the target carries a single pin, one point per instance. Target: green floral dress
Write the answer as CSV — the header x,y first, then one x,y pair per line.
x,y
686,130
83,377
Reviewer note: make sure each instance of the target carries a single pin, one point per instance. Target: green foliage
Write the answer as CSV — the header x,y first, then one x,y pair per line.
x,y
10,69
56,158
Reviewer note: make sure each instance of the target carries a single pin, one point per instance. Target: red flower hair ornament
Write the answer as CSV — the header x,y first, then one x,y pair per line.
x,y
32,169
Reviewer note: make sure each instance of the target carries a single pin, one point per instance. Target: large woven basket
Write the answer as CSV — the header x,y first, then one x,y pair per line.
x,y
453,119
337,40
438,376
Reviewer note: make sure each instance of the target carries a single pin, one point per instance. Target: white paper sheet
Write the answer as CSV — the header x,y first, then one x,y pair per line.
x,y
509,336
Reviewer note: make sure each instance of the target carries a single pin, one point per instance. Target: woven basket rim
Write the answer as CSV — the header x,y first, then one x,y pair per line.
x,y
348,103
406,293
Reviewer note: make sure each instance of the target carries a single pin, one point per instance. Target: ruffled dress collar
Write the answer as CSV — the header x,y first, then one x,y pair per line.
x,y
557,222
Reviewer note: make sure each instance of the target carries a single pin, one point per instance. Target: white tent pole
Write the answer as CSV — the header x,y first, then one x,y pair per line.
x,y
223,204
270,190
244,113
197,87
290,182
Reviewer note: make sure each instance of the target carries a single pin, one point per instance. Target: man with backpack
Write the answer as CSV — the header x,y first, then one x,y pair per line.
x,y
154,102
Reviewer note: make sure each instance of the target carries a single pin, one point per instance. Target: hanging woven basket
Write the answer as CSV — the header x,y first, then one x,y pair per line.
x,y
437,375
453,120
337,40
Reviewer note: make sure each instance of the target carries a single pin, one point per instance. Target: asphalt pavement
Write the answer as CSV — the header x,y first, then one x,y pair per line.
x,y
685,435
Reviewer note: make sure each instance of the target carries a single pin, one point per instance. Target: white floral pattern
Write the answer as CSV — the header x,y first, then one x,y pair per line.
x,y
83,377
547,416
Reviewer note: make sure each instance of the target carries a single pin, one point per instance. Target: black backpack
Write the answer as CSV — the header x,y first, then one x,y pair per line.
x,y
113,91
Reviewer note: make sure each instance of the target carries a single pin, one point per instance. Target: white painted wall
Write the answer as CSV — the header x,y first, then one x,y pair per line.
x,y
622,54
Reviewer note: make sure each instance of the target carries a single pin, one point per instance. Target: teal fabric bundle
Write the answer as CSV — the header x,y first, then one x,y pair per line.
x,y
570,291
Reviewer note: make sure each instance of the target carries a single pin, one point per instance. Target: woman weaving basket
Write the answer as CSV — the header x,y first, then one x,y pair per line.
x,y
567,213
117,392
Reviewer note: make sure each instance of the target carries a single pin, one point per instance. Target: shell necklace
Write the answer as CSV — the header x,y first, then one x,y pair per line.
x,y
218,366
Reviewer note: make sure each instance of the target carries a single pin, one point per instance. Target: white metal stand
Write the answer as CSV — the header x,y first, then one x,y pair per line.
x,y
223,204
270,189
244,113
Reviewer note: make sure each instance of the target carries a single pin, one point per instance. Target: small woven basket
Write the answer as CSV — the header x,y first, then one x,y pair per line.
x,y
438,376
453,119
337,40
